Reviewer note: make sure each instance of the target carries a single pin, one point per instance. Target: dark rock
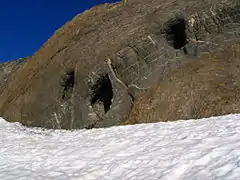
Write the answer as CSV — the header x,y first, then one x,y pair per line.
x,y
115,61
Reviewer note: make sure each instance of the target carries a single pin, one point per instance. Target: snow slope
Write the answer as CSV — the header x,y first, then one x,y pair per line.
x,y
183,150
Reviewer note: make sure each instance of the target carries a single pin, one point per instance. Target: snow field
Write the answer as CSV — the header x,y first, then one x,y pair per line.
x,y
205,149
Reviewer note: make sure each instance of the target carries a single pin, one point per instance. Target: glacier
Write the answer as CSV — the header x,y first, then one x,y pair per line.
x,y
204,149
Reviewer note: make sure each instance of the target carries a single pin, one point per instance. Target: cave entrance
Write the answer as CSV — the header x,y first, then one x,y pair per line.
x,y
102,93
68,83
176,33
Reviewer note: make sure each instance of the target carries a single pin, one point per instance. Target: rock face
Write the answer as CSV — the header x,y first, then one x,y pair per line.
x,y
145,61
9,70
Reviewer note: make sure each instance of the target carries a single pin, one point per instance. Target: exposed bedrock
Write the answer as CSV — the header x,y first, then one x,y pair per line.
x,y
145,61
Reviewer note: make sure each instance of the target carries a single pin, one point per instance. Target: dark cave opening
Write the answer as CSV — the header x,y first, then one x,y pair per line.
x,y
68,83
102,91
176,33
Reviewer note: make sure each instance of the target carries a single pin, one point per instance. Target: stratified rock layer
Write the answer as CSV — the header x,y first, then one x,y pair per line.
x,y
145,61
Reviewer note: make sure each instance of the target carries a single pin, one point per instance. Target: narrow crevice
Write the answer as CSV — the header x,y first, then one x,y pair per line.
x,y
132,97
102,94
176,33
185,51
67,82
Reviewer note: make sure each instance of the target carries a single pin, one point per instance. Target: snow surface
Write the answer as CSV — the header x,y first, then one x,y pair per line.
x,y
183,150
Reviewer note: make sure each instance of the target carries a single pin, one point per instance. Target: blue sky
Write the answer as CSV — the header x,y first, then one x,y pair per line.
x,y
27,24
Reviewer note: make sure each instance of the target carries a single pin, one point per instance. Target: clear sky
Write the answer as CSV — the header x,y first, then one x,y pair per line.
x,y
27,24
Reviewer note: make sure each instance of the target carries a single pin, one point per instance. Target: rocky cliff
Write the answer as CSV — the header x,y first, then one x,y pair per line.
x,y
143,61
9,70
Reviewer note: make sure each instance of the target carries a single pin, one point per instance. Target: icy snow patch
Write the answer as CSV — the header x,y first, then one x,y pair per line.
x,y
206,149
